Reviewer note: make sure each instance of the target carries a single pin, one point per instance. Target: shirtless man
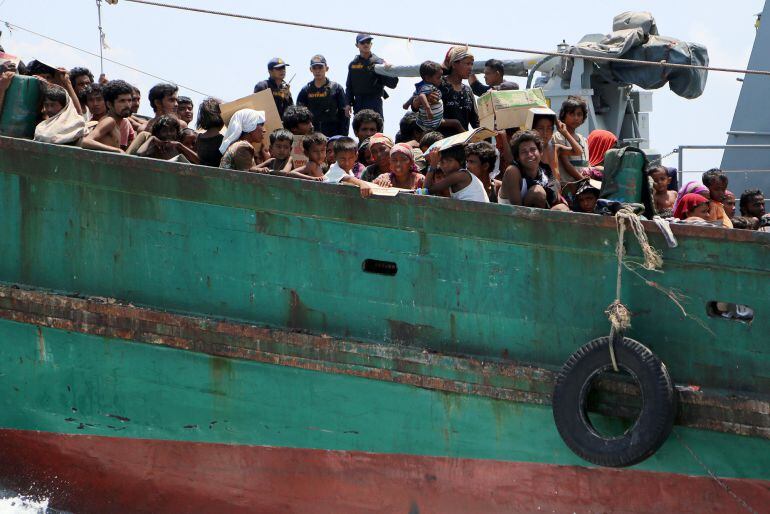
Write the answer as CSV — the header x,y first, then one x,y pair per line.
x,y
106,135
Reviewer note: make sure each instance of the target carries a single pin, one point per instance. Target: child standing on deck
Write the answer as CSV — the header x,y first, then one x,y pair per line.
x,y
573,114
716,182
663,197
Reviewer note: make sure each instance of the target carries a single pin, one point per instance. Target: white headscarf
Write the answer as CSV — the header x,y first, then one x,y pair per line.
x,y
245,120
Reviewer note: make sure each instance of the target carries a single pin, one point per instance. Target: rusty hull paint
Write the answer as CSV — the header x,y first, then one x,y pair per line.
x,y
146,476
709,410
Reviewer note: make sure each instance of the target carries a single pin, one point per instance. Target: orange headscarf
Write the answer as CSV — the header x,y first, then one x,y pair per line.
x,y
599,141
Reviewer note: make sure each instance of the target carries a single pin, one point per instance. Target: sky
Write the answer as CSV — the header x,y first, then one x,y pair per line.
x,y
225,57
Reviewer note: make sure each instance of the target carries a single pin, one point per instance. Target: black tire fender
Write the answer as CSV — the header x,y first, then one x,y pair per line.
x,y
658,399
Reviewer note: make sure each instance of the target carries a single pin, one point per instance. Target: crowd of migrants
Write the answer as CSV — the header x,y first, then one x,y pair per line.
x,y
551,166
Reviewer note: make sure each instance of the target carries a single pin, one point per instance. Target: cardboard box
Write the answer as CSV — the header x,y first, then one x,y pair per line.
x,y
541,111
500,110
262,101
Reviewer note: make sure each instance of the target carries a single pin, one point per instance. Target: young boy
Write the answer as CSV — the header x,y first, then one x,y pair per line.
x,y
431,115
314,146
460,183
346,152
184,109
276,70
298,120
63,124
106,135
367,123
326,100
586,196
663,197
280,151
93,98
716,182
428,139
480,160
364,88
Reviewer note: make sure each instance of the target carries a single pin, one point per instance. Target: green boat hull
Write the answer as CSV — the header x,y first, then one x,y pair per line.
x,y
472,282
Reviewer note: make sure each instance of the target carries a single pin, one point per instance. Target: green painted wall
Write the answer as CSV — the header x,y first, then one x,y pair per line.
x,y
480,279
59,381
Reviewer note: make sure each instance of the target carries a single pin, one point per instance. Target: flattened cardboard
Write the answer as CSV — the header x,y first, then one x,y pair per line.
x,y
463,138
262,101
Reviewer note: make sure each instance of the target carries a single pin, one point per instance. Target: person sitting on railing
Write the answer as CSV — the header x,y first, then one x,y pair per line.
x,y
716,182
529,181
63,124
106,135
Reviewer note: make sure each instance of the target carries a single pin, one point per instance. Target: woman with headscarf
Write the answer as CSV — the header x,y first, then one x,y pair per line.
x,y
403,172
457,97
691,187
246,127
599,142
692,207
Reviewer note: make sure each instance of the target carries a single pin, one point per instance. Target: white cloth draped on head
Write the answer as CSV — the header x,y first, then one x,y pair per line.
x,y
245,120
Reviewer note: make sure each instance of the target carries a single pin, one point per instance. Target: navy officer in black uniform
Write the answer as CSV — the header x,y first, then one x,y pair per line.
x,y
276,68
365,89
326,100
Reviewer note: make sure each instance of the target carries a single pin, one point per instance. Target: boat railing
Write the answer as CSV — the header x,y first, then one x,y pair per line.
x,y
681,151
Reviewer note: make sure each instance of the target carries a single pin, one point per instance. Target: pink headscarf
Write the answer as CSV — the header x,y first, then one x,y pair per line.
x,y
690,187
380,138
404,149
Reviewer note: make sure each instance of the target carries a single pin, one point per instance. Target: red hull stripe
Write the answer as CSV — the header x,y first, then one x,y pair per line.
x,y
102,474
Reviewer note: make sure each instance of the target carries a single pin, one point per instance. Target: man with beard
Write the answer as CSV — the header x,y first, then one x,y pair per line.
x,y
106,135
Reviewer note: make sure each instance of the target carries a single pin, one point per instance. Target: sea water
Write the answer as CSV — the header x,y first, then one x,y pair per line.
x,y
14,503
